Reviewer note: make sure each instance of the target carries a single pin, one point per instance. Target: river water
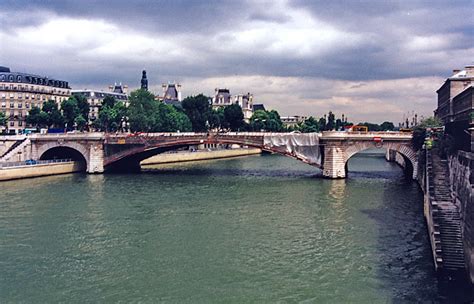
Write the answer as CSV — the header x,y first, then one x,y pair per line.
x,y
259,229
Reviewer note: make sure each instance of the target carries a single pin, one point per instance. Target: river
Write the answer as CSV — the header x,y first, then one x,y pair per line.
x,y
258,229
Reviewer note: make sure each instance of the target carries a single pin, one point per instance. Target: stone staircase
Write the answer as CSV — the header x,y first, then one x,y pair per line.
x,y
13,150
449,250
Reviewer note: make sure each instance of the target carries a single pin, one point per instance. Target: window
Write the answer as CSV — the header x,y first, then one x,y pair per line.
x,y
27,105
10,78
12,105
4,104
20,123
12,123
2,77
18,78
20,105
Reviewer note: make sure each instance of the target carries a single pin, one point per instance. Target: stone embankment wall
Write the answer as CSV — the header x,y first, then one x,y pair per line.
x,y
196,156
461,168
40,170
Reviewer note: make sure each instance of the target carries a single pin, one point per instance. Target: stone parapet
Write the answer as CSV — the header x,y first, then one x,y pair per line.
x,y
461,168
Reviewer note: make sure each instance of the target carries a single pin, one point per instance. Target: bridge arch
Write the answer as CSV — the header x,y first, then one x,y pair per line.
x,y
405,150
70,150
130,159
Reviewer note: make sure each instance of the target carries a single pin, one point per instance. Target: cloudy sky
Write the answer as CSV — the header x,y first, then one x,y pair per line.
x,y
371,60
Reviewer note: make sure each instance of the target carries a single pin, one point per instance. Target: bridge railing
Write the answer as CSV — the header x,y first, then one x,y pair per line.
x,y
29,163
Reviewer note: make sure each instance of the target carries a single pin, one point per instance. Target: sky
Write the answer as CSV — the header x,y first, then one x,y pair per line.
x,y
370,60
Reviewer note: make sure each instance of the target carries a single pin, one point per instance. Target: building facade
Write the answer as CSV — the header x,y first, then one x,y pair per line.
x,y
245,101
221,98
456,107
292,121
171,94
19,92
95,98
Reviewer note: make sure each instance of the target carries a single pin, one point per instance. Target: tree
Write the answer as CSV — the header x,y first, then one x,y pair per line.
x,y
217,119
83,106
52,116
322,124
266,121
141,111
419,132
387,126
70,111
3,119
33,117
80,122
331,121
309,125
198,110
234,117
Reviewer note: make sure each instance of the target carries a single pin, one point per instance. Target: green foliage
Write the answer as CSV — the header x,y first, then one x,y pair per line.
x,y
198,110
331,124
70,111
3,119
83,106
52,117
144,115
111,114
217,119
234,117
266,120
141,111
419,132
387,126
430,122
309,125
80,122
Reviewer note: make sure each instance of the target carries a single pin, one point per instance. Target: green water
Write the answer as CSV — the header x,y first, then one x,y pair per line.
x,y
260,229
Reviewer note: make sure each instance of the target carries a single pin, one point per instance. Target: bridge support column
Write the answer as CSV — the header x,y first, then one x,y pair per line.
x,y
334,165
95,163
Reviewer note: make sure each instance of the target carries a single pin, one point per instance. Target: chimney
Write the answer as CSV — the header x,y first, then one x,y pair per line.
x,y
469,70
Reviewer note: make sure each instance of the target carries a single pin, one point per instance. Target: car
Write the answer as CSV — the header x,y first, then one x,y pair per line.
x,y
31,162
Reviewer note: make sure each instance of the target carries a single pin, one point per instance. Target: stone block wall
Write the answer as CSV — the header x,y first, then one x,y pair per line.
x,y
461,168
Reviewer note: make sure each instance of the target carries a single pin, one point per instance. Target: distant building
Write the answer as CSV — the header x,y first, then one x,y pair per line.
x,y
144,81
221,98
258,106
19,92
171,94
292,121
95,98
456,106
245,101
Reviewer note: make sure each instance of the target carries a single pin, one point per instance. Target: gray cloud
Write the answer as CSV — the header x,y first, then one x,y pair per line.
x,y
94,43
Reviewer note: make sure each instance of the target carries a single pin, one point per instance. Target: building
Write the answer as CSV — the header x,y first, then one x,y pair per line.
x,y
19,92
258,107
221,98
245,101
456,105
95,98
171,94
292,121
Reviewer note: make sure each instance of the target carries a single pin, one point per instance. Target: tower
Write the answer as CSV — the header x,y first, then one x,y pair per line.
x,y
144,81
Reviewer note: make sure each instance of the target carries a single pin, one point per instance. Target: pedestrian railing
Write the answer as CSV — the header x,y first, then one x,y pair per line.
x,y
31,162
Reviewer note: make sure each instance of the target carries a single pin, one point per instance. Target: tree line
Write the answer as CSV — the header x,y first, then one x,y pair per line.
x,y
143,113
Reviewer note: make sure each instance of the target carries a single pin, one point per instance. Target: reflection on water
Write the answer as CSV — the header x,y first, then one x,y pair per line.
x,y
255,229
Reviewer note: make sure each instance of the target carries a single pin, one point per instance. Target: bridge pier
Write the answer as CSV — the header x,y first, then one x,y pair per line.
x,y
334,165
95,163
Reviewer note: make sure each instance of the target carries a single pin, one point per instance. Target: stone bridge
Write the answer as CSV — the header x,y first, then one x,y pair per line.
x,y
328,151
